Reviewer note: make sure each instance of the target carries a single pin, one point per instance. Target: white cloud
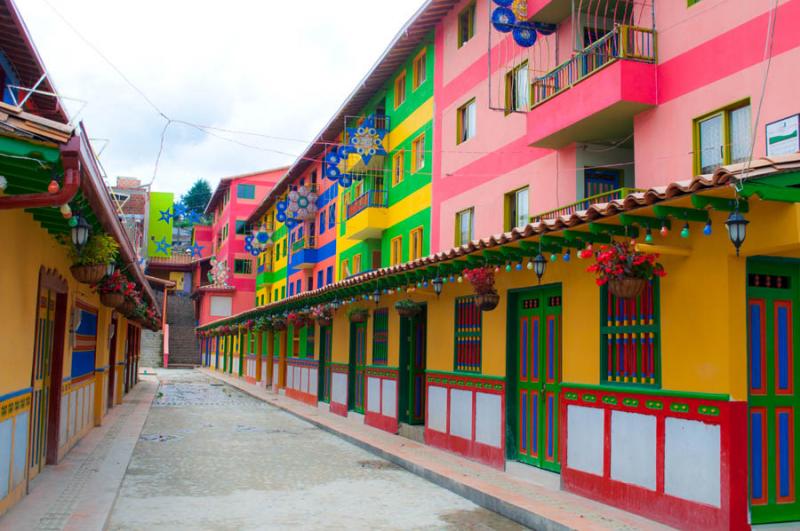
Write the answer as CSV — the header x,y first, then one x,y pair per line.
x,y
277,68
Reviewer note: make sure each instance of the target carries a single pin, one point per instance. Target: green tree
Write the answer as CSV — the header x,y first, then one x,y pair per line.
x,y
197,197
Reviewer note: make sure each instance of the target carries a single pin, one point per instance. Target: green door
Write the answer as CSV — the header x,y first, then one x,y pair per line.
x,y
536,376
772,294
324,387
358,362
413,340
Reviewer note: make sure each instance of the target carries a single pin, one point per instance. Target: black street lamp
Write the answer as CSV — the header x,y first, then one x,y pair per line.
x,y
437,286
539,265
737,229
80,232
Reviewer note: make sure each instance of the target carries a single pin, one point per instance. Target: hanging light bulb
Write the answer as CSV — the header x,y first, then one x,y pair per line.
x,y
553,257
460,279
452,278
508,268
529,265
707,228
497,269
685,230
65,210
664,230
567,256
648,236
53,187
518,267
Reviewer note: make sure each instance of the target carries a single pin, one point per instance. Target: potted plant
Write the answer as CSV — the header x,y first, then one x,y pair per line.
x,y
297,319
264,324
358,315
407,307
112,290
89,262
482,280
278,323
322,314
624,269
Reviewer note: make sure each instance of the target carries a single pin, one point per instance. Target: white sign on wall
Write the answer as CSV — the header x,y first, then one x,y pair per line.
x,y
221,306
783,136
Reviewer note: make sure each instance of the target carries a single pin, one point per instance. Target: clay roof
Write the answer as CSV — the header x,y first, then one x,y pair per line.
x,y
722,177
225,184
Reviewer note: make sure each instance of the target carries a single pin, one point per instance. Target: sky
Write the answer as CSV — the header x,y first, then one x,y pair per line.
x,y
279,69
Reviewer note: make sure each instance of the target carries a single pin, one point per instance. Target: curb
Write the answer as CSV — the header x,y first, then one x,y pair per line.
x,y
487,501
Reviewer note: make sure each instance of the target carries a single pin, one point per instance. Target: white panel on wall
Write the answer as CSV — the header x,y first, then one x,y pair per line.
x,y
289,377
585,435
72,415
633,448
692,460
20,446
297,378
313,381
389,398
437,408
488,419
339,388
373,395
461,413
274,375
62,421
304,380
6,432
221,306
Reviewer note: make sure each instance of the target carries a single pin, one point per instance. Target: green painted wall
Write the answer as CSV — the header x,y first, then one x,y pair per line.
x,y
159,229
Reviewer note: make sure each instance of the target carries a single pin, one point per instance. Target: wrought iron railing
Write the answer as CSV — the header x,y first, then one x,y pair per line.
x,y
623,42
370,198
585,203
306,242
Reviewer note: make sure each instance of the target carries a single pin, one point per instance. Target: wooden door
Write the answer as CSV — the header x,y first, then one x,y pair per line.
x,y
42,359
413,337
537,376
772,295
358,362
324,387
112,364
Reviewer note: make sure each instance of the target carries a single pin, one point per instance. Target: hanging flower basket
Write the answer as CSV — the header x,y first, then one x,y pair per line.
x,y
624,269
359,315
627,287
279,324
297,319
407,308
127,307
88,274
112,300
487,301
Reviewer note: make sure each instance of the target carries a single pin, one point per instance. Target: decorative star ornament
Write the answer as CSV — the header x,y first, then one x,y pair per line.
x,y
162,247
165,215
195,216
367,140
178,210
195,250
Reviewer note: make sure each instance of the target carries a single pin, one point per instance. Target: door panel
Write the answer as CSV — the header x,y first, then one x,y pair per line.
x,y
358,362
772,296
538,376
43,355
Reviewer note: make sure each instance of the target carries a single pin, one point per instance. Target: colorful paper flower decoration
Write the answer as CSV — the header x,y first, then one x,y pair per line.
x,y
218,275
258,241
302,204
366,140
512,16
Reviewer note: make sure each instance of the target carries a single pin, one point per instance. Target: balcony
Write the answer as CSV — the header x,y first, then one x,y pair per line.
x,y
367,215
585,203
380,122
303,253
598,91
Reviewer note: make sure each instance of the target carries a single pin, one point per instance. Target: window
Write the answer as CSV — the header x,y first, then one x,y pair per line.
x,y
242,227
465,226
322,222
398,167
310,283
242,266
285,247
467,335
415,249
637,360
465,121
516,211
723,137
418,153
420,69
221,306
517,89
357,264
283,292
298,286
319,278
466,24
276,293
332,216
291,289
345,269
396,251
246,191
400,89
329,275
380,336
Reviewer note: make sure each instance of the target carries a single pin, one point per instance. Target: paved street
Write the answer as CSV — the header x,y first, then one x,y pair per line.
x,y
211,457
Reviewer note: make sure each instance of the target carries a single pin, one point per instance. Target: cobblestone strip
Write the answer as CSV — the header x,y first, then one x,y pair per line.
x,y
62,509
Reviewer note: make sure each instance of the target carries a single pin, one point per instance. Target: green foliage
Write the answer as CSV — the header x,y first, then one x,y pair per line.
x,y
198,196
99,249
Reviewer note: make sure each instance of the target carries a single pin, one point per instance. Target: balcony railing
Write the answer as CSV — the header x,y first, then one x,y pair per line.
x,y
585,203
306,242
623,42
371,198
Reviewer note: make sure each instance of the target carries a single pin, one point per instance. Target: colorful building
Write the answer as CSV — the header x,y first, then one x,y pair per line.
x,y
68,354
233,287
666,127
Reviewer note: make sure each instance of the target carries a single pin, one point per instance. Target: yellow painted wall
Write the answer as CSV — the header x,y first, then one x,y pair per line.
x,y
177,277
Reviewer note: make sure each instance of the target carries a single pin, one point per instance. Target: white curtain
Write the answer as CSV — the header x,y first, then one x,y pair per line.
x,y
740,134
711,143
522,87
